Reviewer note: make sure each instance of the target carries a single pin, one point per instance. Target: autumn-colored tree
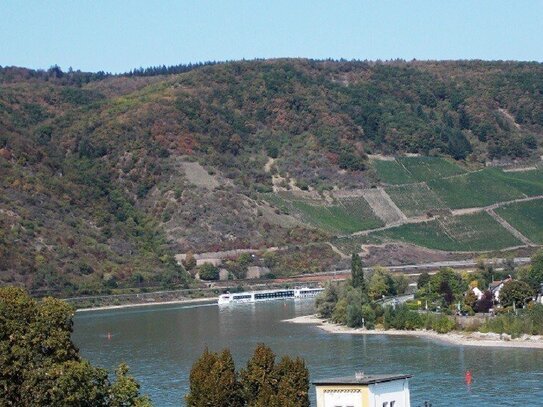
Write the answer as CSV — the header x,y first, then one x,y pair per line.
x,y
293,386
470,299
267,384
214,381
190,261
259,378
263,383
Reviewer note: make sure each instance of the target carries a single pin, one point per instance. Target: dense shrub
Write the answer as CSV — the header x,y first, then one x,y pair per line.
x,y
208,272
528,321
327,300
405,319
443,324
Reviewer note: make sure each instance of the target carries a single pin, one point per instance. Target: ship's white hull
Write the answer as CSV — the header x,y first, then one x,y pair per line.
x,y
268,295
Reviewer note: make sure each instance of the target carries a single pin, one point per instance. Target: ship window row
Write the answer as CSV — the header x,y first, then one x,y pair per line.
x,y
242,297
278,294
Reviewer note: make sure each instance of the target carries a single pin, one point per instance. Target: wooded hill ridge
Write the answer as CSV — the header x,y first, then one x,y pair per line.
x,y
101,175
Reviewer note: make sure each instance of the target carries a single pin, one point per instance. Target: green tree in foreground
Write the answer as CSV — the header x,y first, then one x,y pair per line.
x,y
259,377
263,383
214,381
293,386
40,366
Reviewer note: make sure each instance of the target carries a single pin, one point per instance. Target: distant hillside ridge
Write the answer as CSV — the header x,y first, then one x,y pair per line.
x,y
104,178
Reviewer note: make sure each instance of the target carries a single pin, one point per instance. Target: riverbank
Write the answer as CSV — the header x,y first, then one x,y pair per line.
x,y
454,338
146,304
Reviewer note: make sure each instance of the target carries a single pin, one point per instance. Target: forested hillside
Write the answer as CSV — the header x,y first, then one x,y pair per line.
x,y
105,177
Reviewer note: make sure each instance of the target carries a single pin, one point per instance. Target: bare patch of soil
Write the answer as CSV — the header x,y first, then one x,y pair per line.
x,y
383,206
396,254
197,175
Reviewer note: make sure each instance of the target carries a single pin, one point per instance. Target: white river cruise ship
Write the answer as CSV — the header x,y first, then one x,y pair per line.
x,y
268,295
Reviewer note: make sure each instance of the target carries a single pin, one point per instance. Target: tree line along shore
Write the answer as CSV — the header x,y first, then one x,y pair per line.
x,y
488,301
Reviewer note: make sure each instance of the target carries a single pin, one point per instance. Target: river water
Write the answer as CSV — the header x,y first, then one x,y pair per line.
x,y
161,342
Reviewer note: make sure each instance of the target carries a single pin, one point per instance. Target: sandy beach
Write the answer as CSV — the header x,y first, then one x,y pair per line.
x,y
146,304
454,338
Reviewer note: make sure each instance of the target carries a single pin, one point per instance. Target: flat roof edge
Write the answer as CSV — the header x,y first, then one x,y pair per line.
x,y
352,380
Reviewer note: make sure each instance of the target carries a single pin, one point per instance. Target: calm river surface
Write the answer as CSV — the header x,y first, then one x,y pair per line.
x,y
160,343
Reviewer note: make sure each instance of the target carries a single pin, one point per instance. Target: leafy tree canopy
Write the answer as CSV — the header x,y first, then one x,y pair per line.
x,y
515,292
533,274
262,383
39,364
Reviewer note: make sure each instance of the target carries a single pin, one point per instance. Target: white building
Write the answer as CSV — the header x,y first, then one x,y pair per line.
x,y
478,293
364,391
496,287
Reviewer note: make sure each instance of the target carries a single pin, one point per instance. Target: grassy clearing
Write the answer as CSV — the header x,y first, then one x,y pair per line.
x,y
391,172
476,189
347,216
477,232
415,199
526,217
427,168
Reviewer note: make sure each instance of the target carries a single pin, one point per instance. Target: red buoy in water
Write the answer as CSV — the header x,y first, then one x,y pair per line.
x,y
468,377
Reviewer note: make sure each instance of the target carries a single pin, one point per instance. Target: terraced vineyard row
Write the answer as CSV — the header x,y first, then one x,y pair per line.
x,y
476,232
487,187
431,186
526,217
407,170
347,215
415,199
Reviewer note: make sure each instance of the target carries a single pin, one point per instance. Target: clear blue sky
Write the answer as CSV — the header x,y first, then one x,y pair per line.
x,y
118,35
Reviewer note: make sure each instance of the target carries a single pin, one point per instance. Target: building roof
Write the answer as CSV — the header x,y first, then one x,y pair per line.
x,y
495,284
364,380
